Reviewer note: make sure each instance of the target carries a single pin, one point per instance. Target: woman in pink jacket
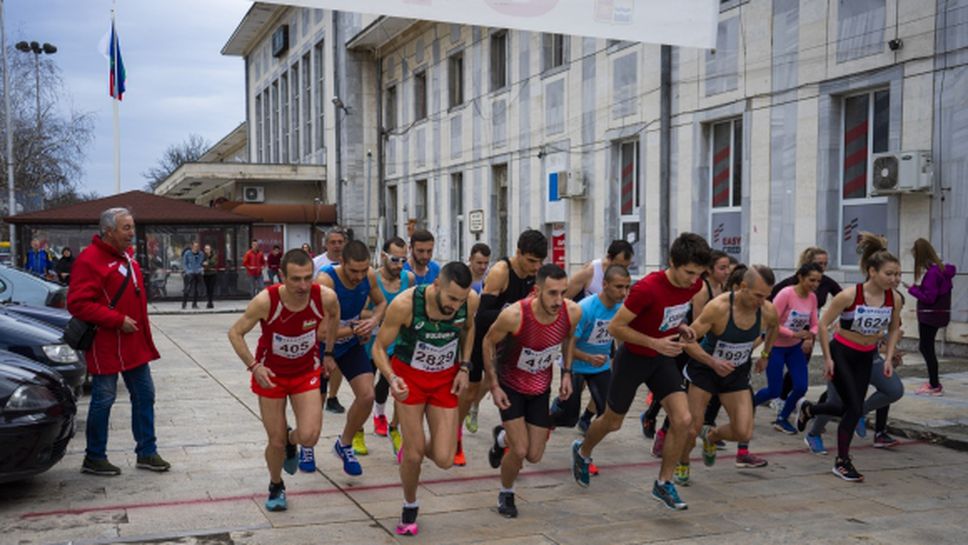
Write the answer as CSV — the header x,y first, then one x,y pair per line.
x,y
934,306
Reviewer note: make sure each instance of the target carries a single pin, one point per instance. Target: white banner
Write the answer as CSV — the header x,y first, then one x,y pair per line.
x,y
687,23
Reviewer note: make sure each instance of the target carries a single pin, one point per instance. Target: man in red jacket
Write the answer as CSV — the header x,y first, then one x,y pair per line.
x,y
122,344
254,261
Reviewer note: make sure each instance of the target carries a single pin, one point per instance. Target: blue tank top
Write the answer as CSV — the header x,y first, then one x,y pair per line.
x,y
404,284
592,334
351,303
433,269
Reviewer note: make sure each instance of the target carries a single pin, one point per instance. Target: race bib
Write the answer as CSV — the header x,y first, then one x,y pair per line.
x,y
600,335
293,347
672,317
797,321
735,353
434,359
536,361
871,320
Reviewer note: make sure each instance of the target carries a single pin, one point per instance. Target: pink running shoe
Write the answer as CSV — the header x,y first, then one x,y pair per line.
x,y
408,522
927,389
658,443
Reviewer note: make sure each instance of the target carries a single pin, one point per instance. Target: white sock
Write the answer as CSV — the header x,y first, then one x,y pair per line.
x,y
507,490
502,439
379,409
407,504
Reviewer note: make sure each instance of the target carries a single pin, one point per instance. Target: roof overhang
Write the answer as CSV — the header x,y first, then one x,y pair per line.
x,y
227,146
259,16
379,33
192,180
316,213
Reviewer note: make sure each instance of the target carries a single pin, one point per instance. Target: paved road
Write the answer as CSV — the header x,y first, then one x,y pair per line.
x,y
208,428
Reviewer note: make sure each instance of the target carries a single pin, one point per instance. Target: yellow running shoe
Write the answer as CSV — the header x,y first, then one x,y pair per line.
x,y
682,475
359,444
396,440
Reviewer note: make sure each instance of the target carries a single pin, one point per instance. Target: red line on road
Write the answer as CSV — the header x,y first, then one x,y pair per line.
x,y
368,488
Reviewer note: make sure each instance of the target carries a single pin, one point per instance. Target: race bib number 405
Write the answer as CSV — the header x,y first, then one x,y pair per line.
x,y
673,316
293,347
536,361
735,353
434,359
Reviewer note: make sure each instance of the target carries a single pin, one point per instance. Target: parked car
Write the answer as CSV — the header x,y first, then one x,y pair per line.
x,y
22,287
37,411
43,344
54,317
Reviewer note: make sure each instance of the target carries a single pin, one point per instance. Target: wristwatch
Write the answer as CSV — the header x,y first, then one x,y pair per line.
x,y
328,354
465,366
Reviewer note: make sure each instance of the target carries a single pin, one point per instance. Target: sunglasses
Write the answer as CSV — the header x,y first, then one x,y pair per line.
x,y
395,259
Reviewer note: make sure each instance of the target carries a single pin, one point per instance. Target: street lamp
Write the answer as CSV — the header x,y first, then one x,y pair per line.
x,y
37,50
9,134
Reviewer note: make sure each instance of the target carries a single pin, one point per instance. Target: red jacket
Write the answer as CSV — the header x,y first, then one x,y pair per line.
x,y
97,276
253,261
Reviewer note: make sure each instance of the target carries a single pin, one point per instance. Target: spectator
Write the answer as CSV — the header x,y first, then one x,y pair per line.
x,y
272,264
122,344
934,306
335,240
37,262
254,261
209,270
479,262
192,273
307,248
64,266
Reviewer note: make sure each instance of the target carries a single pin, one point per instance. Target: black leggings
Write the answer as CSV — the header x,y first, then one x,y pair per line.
x,y
597,383
927,334
852,376
382,390
209,287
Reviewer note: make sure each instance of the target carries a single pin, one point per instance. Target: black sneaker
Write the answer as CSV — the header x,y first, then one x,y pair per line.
x,y
648,426
496,453
333,405
153,462
99,467
844,469
505,505
803,407
291,463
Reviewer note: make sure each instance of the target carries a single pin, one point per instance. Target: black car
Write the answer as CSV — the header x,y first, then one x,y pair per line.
x,y
37,410
54,317
43,344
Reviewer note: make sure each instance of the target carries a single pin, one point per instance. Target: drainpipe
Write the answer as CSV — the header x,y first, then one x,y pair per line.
x,y
665,154
380,159
337,120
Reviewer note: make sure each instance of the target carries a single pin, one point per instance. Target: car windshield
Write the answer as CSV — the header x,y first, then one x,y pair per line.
x,y
27,277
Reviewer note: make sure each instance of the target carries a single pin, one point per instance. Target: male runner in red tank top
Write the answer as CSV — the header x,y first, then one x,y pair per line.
x,y
295,316
542,331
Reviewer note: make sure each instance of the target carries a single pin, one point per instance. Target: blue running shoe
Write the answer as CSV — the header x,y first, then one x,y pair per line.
x,y
307,460
579,465
277,497
861,429
815,444
784,426
351,466
668,495
291,463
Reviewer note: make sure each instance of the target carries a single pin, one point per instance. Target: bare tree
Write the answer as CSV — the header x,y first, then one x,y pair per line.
x,y
175,156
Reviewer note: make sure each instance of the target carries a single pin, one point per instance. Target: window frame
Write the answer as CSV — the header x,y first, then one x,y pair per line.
x,y
634,217
455,84
503,69
420,96
390,115
558,51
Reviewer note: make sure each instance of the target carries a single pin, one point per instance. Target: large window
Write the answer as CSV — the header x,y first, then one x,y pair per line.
x,y
390,111
865,128
307,104
420,95
628,190
258,128
320,93
552,51
455,79
499,60
457,215
499,181
296,122
284,118
420,203
726,187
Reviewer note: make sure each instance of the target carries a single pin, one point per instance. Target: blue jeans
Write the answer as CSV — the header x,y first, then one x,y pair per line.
x,y
793,358
104,389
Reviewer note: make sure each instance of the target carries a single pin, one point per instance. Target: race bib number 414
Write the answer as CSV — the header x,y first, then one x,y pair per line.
x,y
293,347
673,316
536,361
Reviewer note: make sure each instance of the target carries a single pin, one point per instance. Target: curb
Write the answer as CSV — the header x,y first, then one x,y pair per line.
x,y
910,430
195,313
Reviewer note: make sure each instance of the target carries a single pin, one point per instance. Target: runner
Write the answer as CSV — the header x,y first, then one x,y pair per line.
x,y
797,308
433,328
479,262
541,329
333,254
353,281
648,323
294,316
866,311
507,282
730,326
421,262
588,281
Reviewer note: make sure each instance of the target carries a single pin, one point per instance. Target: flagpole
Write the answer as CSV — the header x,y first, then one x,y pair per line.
x,y
116,106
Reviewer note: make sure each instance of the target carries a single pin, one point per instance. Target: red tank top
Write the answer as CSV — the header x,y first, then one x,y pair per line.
x,y
288,344
533,350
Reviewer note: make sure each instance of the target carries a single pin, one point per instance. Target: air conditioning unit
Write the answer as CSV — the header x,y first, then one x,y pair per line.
x,y
571,184
901,172
254,193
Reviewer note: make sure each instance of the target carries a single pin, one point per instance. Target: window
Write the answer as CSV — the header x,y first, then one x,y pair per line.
x,y
499,181
266,128
320,92
284,117
307,102
258,128
296,123
390,111
865,130
553,50
420,95
628,179
420,203
391,211
726,187
275,122
457,215
499,60
455,80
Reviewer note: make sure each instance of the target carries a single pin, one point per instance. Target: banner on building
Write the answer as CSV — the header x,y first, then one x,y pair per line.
x,y
726,233
860,218
558,244
686,23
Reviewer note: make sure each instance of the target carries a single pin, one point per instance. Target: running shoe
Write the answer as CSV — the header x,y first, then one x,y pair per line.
x,y
777,405
351,466
861,429
648,426
583,424
579,465
592,469
496,453
750,460
784,426
408,522
815,444
505,505
396,441
277,497
720,445
470,421
668,495
333,406
359,444
927,389
883,440
459,459
658,443
844,469
682,475
307,460
291,463
708,447
153,462
803,407
380,425
99,467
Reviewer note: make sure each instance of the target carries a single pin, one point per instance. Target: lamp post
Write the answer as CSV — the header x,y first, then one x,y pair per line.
x,y
37,49
9,132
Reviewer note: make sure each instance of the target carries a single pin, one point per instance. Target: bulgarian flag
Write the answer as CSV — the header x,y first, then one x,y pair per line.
x,y
116,80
